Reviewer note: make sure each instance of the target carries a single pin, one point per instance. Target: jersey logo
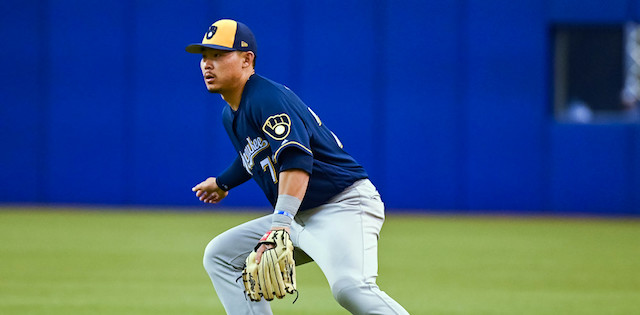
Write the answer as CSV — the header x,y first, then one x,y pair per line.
x,y
253,147
277,126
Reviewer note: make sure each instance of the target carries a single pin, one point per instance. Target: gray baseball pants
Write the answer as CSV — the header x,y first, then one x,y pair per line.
x,y
341,236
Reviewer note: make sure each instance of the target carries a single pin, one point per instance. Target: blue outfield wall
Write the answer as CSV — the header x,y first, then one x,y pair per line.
x,y
446,103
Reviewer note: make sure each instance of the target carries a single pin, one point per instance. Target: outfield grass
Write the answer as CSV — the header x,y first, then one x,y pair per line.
x,y
61,261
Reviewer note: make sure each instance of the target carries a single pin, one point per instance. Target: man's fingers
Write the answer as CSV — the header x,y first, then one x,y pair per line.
x,y
208,194
261,250
213,198
259,253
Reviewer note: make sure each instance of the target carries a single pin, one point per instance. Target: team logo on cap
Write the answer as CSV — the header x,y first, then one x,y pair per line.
x,y
212,31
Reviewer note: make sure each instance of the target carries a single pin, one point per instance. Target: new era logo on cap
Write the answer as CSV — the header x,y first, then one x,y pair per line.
x,y
226,35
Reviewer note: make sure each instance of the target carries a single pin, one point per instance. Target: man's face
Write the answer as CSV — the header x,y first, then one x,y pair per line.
x,y
221,70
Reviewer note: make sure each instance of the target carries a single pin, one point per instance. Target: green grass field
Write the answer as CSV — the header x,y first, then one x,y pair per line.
x,y
57,261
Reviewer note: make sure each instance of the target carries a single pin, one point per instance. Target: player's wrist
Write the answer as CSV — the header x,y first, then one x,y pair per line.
x,y
285,211
221,185
281,228
280,221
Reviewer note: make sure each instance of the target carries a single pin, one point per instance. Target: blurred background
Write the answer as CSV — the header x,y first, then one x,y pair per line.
x,y
525,106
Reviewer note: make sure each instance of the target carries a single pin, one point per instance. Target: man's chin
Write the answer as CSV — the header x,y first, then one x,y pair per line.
x,y
213,90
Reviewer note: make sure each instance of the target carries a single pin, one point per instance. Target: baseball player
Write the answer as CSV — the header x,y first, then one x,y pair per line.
x,y
324,203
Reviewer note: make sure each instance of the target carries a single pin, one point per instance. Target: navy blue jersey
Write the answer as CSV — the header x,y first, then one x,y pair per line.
x,y
271,121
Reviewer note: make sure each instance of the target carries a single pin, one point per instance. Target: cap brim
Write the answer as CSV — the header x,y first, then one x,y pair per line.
x,y
199,48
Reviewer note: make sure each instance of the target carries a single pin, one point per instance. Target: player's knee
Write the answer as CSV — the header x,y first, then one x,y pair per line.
x,y
360,297
214,253
350,292
209,254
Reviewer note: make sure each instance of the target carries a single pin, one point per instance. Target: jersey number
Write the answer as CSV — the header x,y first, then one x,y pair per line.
x,y
320,124
266,163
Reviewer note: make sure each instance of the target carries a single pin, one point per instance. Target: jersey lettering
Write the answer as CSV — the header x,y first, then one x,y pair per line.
x,y
252,149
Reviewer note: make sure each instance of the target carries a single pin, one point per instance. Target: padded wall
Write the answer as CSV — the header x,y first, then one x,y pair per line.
x,y
446,103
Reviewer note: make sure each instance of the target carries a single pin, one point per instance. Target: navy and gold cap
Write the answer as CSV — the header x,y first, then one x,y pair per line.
x,y
226,35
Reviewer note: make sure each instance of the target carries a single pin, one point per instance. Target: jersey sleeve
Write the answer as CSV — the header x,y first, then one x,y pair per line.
x,y
233,176
280,120
295,159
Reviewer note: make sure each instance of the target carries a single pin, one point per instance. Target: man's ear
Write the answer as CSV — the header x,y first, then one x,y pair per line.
x,y
248,59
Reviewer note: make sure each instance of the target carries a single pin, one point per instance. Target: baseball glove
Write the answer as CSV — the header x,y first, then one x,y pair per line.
x,y
275,275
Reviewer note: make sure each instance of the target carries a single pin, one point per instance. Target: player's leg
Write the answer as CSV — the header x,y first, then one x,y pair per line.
x,y
342,237
224,259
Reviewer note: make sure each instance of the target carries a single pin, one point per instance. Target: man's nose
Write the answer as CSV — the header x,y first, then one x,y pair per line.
x,y
207,64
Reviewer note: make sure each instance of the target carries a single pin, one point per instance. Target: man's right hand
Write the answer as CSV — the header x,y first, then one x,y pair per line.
x,y
209,192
